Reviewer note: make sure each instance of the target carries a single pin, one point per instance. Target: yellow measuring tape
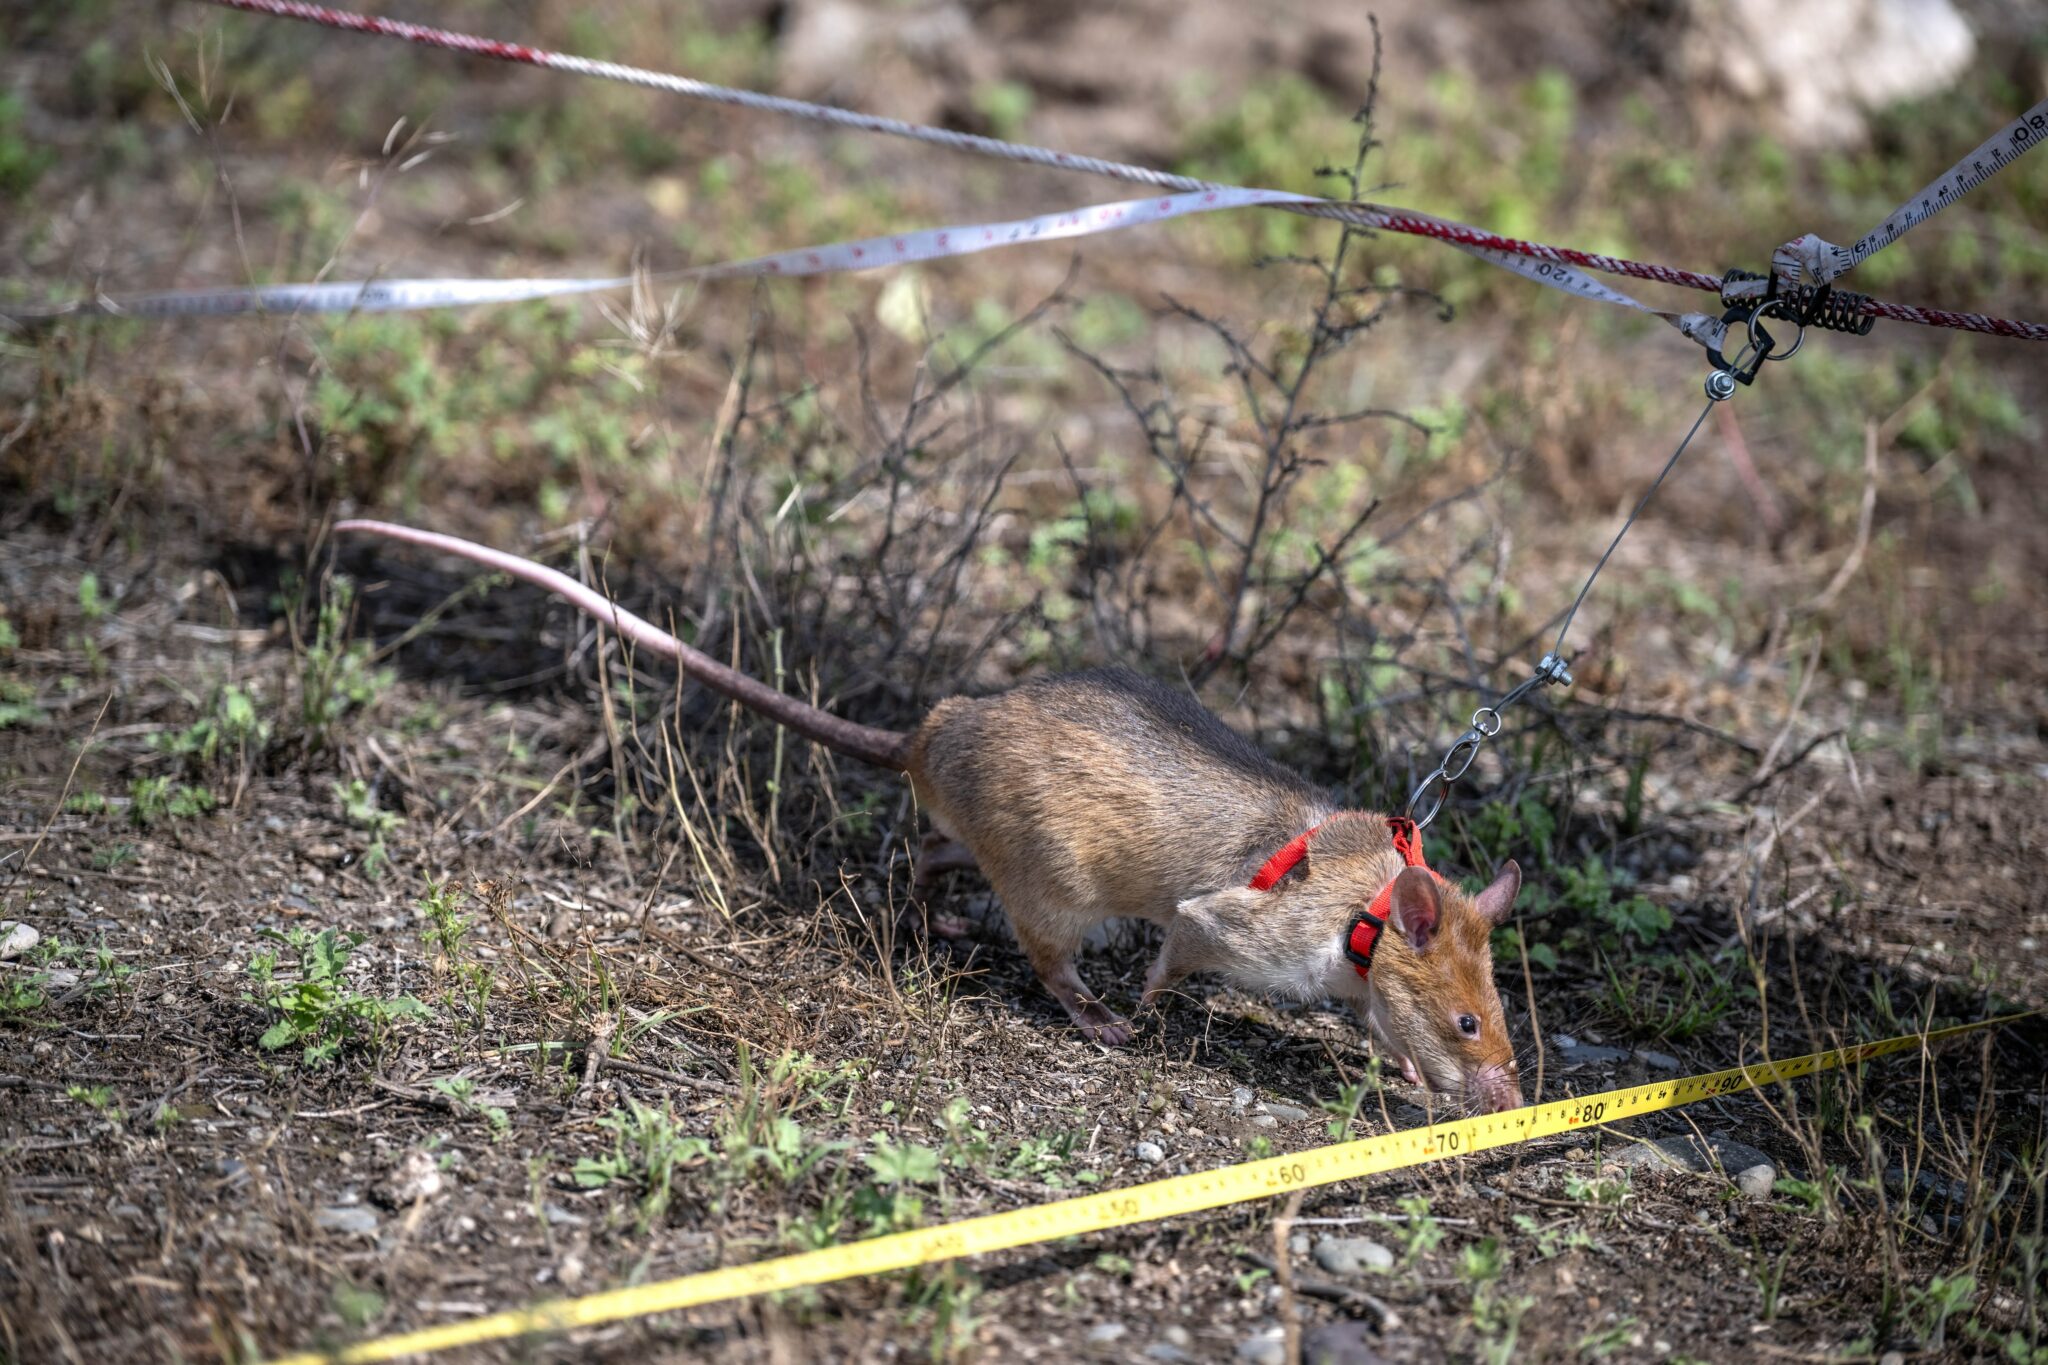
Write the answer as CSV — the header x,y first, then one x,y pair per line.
x,y
1121,1208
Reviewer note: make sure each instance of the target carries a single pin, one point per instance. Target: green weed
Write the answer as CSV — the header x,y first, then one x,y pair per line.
x,y
153,800
460,1091
889,1204
336,675
359,807
1497,1320
448,933
92,604
316,1008
356,1306
1594,890
1932,1305
1006,105
1350,1099
1483,1261
648,1149
1424,1233
761,1134
1552,1240
19,708
1608,1191
1671,998
1603,1342
110,856
229,725
99,1099
22,161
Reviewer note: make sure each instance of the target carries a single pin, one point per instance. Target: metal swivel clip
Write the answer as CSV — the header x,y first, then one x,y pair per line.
x,y
1759,347
1750,298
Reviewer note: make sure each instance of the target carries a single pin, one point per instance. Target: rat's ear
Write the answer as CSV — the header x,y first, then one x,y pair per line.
x,y
1413,909
1494,903
1225,911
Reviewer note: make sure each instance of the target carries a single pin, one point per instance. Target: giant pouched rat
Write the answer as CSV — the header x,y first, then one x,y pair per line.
x,y
1102,794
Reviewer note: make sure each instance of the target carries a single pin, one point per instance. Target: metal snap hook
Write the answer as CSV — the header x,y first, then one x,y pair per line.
x,y
1765,349
1422,820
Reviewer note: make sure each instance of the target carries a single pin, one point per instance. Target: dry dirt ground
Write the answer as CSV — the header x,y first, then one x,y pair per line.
x,y
640,988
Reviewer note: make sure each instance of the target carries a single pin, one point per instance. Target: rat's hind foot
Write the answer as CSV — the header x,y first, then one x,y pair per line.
x,y
939,854
948,926
1097,1021
918,917
935,855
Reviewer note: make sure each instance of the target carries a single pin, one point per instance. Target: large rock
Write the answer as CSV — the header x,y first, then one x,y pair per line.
x,y
1684,1152
1818,67
16,938
1353,1255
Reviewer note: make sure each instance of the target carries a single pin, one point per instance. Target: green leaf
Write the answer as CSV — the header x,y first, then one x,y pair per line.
x,y
902,1165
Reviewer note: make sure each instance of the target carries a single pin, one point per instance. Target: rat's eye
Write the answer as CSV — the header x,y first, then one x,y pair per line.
x,y
1468,1025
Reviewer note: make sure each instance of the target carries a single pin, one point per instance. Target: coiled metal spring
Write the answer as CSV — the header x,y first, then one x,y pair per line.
x,y
1809,305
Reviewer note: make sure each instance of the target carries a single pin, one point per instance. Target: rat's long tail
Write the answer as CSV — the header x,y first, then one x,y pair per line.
x,y
884,748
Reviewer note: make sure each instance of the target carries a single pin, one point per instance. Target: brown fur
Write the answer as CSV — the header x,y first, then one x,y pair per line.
x,y
1105,795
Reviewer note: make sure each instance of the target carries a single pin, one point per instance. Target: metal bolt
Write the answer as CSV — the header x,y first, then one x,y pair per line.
x,y
1720,386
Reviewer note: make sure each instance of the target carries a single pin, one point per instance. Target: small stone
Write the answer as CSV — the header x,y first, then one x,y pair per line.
x,y
349,1218
1298,1244
1663,1061
1151,1153
561,1217
1241,1098
1586,1054
1266,1348
1353,1256
1103,1333
1891,1358
1264,1121
1757,1181
1178,1335
417,1177
1348,1341
1564,1040
1287,1113
16,938
1166,1352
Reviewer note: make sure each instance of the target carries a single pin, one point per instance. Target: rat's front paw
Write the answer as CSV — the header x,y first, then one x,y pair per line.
x,y
1100,1024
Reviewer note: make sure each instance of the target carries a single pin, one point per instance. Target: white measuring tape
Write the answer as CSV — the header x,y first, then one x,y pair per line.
x,y
867,253
1809,259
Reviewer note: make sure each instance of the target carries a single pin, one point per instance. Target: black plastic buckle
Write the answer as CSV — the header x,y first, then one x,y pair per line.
x,y
1363,961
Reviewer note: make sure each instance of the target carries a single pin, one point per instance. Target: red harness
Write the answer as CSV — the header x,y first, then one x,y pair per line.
x,y
1364,937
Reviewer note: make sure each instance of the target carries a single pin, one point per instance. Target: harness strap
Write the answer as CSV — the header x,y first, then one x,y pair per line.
x,y
1364,937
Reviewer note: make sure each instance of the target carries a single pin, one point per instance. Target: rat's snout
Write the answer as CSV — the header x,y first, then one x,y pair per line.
x,y
1495,1088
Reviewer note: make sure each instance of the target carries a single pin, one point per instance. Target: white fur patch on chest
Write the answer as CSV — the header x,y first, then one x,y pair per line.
x,y
1321,973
